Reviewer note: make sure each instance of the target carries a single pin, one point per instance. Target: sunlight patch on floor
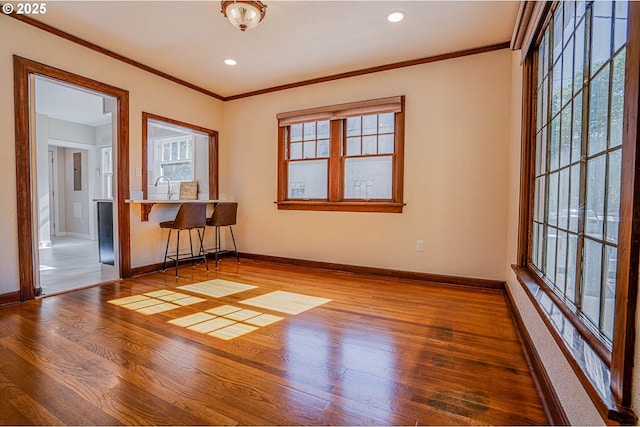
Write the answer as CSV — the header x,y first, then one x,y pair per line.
x,y
156,302
285,302
217,288
226,321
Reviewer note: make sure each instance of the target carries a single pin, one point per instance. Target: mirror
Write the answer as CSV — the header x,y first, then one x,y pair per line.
x,y
174,152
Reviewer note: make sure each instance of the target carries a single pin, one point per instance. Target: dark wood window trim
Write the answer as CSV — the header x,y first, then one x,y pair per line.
x,y
336,114
22,70
213,152
612,398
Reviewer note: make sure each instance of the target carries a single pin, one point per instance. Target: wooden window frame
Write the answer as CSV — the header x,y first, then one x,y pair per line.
x,y
336,114
212,161
613,401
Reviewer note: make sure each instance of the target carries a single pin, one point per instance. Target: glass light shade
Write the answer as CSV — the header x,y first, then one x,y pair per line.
x,y
244,15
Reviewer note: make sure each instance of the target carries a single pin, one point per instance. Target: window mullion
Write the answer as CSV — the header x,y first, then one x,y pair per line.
x,y
335,160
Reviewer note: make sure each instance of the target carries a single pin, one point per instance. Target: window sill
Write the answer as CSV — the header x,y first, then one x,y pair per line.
x,y
385,207
592,371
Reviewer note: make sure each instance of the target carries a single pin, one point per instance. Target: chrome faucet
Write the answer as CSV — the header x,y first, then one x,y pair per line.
x,y
168,185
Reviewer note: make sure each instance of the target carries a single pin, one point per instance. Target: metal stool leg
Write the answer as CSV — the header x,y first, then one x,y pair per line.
x,y
166,252
234,244
202,251
217,244
193,261
177,252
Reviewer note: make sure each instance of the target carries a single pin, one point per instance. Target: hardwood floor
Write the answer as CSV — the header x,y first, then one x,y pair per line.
x,y
72,263
381,352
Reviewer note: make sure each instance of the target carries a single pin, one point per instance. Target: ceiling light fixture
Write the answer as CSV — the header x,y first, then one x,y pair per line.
x,y
395,16
244,14
230,61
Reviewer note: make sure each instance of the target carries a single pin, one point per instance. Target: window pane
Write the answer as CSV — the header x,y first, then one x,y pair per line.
x,y
386,144
553,199
574,198
578,58
295,132
569,21
323,148
601,34
561,263
309,151
323,129
545,99
541,248
368,177
545,54
565,137
166,152
576,131
563,202
580,8
596,174
534,242
175,149
617,98
309,130
611,260
554,148
308,179
182,171
557,32
540,203
353,126
386,123
591,282
537,200
556,87
295,151
570,289
353,146
370,124
599,112
369,145
550,267
567,72
613,196
620,24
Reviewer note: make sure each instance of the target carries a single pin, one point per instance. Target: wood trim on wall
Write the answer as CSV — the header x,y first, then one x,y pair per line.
x,y
548,396
23,68
614,402
212,149
370,70
10,298
77,40
409,63
623,355
475,283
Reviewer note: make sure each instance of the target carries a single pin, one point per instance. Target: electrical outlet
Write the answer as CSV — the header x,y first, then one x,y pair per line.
x,y
419,245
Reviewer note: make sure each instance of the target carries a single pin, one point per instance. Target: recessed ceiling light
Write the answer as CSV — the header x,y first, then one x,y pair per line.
x,y
395,16
230,61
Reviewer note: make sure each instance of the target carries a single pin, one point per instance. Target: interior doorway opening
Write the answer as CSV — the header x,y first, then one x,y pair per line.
x,y
75,129
34,218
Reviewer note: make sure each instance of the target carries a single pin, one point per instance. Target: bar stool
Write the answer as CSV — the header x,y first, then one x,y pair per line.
x,y
224,215
190,216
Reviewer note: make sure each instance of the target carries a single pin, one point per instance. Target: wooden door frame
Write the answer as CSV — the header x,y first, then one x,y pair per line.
x,y
22,69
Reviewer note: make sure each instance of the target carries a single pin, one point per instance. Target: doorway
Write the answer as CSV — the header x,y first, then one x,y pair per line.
x,y
76,128
77,166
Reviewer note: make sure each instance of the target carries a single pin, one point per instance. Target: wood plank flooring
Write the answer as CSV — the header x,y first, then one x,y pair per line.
x,y
381,352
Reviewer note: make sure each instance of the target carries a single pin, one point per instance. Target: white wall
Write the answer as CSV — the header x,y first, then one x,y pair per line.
x,y
146,93
456,172
575,401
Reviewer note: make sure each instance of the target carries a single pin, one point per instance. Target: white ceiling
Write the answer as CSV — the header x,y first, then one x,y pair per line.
x,y
297,40
69,103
